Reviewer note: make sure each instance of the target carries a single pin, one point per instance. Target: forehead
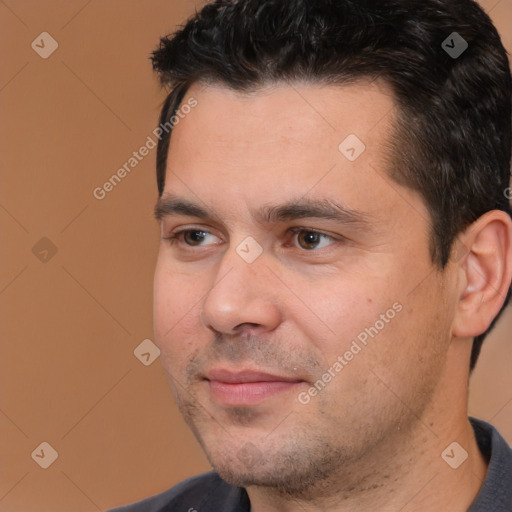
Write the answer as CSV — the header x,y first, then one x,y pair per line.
x,y
293,112
285,140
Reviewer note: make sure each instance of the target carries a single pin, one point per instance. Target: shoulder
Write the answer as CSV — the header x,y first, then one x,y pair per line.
x,y
496,492
204,493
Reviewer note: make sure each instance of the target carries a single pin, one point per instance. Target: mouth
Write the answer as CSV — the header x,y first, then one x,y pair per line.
x,y
247,387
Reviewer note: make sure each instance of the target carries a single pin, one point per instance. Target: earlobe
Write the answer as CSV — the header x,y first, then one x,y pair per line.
x,y
486,272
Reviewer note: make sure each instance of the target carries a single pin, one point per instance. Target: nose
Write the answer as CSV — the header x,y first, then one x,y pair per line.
x,y
243,297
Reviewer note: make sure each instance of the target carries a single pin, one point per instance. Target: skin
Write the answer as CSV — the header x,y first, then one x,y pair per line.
x,y
372,438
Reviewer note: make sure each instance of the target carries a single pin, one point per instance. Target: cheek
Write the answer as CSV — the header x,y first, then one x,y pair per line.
x,y
411,352
344,309
175,313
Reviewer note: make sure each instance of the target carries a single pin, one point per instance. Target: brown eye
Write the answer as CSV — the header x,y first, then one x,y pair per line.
x,y
193,238
189,238
310,240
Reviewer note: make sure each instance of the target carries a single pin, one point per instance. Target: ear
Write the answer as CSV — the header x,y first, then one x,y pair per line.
x,y
486,273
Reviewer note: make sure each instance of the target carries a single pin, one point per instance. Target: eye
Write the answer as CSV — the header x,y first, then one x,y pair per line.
x,y
190,237
310,239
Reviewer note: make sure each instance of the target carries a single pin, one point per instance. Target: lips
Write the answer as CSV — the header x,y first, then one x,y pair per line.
x,y
247,387
246,376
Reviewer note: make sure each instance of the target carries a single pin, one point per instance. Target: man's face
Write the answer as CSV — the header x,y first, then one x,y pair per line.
x,y
291,351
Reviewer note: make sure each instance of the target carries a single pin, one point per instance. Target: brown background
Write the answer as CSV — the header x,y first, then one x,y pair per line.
x,y
70,325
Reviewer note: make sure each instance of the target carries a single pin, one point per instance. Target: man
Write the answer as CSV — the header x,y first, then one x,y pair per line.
x,y
336,244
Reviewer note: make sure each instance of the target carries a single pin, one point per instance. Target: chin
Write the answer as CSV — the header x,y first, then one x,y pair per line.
x,y
291,470
290,482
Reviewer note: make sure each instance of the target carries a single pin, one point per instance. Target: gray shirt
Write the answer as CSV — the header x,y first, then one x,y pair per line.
x,y
209,493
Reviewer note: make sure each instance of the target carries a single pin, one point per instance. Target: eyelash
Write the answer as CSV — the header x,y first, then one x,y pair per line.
x,y
176,238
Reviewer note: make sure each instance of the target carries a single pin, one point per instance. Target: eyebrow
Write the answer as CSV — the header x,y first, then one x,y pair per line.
x,y
171,205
